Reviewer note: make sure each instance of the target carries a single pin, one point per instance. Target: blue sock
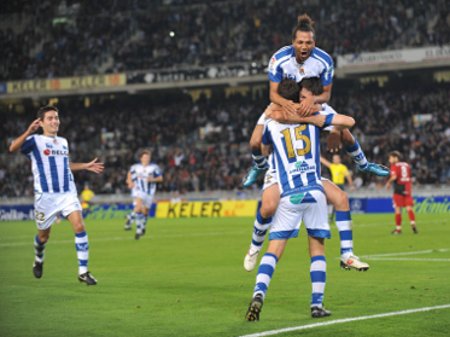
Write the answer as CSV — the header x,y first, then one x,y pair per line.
x,y
265,272
260,228
38,250
318,272
258,158
82,247
357,154
344,225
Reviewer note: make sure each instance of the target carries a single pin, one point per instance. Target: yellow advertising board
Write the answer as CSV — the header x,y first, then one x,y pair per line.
x,y
66,83
206,209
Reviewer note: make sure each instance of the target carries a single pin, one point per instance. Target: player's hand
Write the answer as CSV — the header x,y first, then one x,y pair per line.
x,y
307,107
334,144
34,126
291,108
387,186
94,166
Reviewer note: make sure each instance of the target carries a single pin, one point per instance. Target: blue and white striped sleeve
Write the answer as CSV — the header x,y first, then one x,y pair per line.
x,y
28,145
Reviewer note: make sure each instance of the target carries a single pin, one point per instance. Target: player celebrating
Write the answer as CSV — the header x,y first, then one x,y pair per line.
x,y
271,193
54,186
143,178
301,60
296,157
401,177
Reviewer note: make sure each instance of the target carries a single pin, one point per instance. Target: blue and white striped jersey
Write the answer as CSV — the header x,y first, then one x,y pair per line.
x,y
139,175
296,155
50,164
284,64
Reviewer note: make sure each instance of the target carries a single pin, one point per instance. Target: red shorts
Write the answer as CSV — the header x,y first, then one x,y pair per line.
x,y
402,200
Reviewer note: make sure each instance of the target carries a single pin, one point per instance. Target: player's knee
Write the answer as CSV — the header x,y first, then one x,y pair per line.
x,y
43,237
255,144
268,209
341,202
347,138
79,227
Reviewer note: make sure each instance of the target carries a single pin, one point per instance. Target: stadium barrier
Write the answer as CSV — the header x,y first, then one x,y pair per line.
x,y
226,208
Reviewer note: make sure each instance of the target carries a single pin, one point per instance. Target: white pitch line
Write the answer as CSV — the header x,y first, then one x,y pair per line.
x,y
407,259
417,252
345,320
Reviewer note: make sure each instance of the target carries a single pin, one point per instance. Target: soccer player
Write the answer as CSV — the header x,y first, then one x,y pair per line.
x,y
54,186
86,196
301,60
401,177
339,173
271,194
296,158
143,177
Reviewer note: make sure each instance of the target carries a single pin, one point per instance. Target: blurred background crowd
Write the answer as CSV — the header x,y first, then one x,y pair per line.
x,y
201,143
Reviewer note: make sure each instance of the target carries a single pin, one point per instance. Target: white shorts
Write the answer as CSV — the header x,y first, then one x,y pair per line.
x,y
270,178
147,199
47,206
309,207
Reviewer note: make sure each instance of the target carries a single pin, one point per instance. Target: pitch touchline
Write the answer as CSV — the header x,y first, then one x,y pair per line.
x,y
345,320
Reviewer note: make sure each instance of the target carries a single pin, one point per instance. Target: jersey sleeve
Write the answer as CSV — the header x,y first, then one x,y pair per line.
x,y
275,72
28,145
157,171
327,76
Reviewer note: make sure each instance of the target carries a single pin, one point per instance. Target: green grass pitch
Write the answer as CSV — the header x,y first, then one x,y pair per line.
x,y
185,278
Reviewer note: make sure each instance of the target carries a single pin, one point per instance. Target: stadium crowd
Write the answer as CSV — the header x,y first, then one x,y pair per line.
x,y
80,37
203,144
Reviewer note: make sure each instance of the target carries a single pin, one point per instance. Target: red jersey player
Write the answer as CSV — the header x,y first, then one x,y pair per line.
x,y
401,177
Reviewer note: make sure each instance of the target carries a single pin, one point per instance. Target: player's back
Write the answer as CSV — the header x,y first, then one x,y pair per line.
x,y
283,64
50,163
296,156
404,179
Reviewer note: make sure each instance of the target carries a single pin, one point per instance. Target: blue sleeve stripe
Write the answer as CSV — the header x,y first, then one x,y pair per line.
x,y
324,56
328,120
27,147
285,51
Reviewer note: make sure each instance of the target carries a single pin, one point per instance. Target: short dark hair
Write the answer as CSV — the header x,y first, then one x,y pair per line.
x,y
304,24
42,110
395,154
289,89
312,84
145,151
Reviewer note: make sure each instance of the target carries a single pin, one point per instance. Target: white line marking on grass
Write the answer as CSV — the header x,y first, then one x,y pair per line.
x,y
417,252
407,259
345,320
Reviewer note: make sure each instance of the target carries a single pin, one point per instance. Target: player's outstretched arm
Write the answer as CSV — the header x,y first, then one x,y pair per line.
x,y
92,166
18,142
325,162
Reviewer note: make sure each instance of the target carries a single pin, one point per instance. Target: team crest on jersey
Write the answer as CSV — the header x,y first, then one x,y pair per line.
x,y
272,64
302,71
